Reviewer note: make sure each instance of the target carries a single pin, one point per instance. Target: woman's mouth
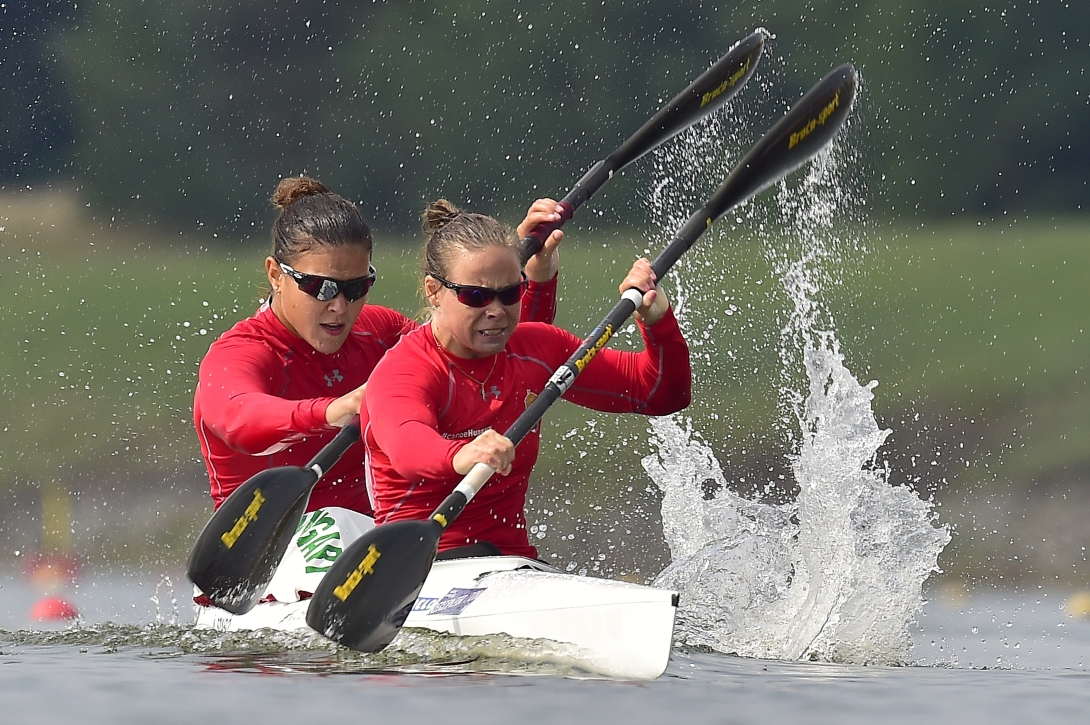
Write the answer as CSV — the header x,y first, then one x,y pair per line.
x,y
333,328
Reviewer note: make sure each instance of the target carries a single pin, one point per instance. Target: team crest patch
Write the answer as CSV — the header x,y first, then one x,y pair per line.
x,y
531,396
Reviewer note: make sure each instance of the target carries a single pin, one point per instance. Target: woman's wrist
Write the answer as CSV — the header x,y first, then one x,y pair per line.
x,y
542,270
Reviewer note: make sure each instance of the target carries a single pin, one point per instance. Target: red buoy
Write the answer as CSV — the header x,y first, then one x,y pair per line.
x,y
52,609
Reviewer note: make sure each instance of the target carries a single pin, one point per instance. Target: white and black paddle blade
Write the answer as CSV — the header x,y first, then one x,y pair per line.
x,y
240,547
365,597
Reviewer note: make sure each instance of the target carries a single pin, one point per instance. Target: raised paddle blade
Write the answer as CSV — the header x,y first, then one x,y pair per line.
x,y
706,94
364,598
806,129
240,547
709,91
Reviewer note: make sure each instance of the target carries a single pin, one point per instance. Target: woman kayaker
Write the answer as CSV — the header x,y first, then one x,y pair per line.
x,y
438,402
274,389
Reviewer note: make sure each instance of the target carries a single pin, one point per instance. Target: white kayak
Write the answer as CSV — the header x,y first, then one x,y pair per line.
x,y
613,628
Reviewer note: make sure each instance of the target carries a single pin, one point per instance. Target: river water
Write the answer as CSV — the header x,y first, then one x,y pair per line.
x,y
998,657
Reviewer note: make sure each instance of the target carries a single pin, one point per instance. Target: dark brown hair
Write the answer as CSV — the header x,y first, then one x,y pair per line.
x,y
449,229
311,216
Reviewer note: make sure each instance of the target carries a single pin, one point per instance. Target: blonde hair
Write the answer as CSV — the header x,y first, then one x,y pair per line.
x,y
449,229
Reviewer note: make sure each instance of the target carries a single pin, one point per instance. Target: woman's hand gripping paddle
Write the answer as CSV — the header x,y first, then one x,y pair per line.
x,y
369,591
710,91
240,547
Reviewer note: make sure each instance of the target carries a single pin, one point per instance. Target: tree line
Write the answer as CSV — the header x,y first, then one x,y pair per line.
x,y
191,110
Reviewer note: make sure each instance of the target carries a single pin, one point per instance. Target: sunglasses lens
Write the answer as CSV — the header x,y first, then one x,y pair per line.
x,y
313,286
474,296
356,288
353,290
511,295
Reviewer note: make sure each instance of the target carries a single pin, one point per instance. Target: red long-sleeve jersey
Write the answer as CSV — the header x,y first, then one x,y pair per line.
x,y
262,394
421,407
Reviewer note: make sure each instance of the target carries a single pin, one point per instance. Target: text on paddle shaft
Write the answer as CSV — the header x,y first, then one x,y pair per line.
x,y
250,514
367,566
595,348
729,83
821,118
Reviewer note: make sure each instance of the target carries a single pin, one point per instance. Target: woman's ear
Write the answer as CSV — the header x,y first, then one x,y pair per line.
x,y
431,290
274,274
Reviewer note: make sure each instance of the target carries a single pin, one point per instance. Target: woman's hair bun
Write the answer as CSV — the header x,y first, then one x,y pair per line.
x,y
294,188
438,214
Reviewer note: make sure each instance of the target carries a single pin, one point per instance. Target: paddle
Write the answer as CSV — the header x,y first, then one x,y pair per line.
x,y
234,576
710,91
243,542
369,591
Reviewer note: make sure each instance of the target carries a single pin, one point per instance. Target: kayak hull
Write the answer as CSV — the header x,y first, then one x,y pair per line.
x,y
615,629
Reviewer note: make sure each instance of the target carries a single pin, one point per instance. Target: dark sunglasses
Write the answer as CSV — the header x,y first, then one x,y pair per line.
x,y
324,289
472,296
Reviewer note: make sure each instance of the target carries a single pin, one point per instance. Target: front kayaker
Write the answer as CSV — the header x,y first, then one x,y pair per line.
x,y
274,389
437,400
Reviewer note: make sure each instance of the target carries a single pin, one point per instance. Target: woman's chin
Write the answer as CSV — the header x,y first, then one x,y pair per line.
x,y
326,343
490,344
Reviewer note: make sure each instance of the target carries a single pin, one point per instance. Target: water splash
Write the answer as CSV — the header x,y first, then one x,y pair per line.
x,y
837,573
162,616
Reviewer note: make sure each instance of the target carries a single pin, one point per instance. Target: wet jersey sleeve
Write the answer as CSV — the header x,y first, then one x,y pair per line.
x,y
238,399
656,381
239,407
539,304
405,423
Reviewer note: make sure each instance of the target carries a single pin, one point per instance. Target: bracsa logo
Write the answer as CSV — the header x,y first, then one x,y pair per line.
x,y
250,514
818,120
595,348
367,566
728,83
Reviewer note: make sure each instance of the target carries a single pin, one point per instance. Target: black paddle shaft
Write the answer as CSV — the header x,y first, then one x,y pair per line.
x,y
710,91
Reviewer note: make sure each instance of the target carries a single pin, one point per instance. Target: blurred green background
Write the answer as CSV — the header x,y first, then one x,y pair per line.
x,y
141,142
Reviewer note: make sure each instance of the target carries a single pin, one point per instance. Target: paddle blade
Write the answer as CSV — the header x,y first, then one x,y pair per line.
x,y
806,129
710,91
240,547
369,591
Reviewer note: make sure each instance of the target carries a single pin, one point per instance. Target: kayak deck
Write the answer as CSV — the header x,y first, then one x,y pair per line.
x,y
615,628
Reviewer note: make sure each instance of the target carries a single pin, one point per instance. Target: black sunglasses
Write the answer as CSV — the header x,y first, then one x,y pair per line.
x,y
473,296
324,289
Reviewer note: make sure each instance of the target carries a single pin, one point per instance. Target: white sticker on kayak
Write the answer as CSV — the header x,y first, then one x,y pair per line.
x,y
454,601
